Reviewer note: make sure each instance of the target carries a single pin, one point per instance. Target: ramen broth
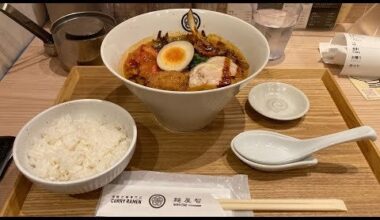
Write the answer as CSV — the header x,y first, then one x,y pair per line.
x,y
184,62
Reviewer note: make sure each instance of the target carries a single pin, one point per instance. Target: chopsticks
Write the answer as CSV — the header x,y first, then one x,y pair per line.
x,y
284,204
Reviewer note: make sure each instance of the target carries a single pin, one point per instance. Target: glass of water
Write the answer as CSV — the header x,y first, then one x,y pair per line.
x,y
276,22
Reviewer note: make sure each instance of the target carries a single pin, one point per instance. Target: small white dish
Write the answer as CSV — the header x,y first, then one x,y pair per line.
x,y
306,162
278,101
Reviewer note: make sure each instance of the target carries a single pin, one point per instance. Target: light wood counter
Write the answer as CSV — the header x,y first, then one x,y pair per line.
x,y
33,82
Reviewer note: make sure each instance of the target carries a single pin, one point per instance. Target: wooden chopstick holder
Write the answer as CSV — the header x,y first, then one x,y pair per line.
x,y
284,205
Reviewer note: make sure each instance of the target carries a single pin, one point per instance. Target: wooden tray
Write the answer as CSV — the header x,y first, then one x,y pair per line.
x,y
343,171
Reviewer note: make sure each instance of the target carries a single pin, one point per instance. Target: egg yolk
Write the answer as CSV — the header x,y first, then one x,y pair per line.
x,y
174,55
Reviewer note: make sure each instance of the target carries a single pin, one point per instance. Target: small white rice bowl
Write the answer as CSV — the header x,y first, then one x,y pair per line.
x,y
76,146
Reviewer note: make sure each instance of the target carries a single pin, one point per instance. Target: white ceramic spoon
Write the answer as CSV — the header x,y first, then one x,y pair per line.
x,y
307,162
265,147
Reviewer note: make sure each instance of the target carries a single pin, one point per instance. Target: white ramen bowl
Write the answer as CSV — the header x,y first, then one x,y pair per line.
x,y
108,111
190,110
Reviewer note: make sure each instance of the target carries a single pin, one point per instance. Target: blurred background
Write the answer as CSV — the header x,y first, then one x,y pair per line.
x,y
14,38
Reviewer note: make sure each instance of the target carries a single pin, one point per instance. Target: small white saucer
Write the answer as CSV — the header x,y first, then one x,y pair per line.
x,y
307,162
278,101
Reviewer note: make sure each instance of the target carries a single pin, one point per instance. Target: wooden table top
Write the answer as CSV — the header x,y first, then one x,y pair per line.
x,y
32,85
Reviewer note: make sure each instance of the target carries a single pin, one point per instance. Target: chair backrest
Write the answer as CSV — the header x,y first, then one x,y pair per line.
x,y
368,24
15,38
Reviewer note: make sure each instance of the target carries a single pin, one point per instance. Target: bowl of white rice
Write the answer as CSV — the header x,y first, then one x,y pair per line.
x,y
76,146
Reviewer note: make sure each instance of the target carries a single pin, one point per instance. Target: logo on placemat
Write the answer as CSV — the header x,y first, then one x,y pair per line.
x,y
185,23
157,201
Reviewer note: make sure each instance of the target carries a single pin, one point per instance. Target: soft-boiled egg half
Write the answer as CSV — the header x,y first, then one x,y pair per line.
x,y
175,56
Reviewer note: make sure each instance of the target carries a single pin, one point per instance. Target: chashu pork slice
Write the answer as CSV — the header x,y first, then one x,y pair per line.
x,y
210,73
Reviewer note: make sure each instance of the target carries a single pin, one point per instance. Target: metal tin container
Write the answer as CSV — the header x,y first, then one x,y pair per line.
x,y
76,38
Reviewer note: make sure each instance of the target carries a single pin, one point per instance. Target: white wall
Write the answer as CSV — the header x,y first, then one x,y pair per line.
x,y
13,37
